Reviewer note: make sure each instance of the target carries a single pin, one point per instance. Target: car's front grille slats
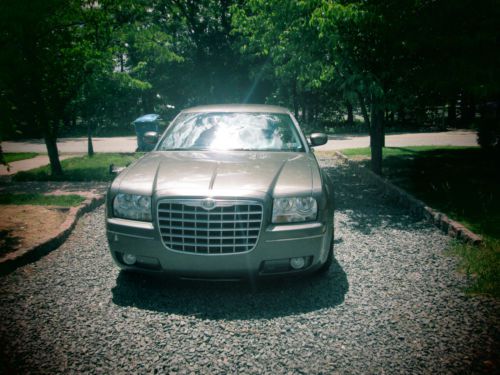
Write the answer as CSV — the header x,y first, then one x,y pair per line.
x,y
180,227
196,237
198,221
207,213
227,227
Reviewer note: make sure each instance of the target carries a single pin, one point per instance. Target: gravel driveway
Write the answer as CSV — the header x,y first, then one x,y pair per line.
x,y
392,303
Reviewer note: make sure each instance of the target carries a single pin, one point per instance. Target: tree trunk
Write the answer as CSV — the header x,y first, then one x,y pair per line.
x,y
41,121
295,101
2,158
377,139
55,164
148,102
451,118
383,131
467,110
350,115
122,63
401,115
420,115
90,146
66,121
364,110
471,111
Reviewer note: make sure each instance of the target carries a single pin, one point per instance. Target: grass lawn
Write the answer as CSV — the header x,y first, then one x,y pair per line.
x,y
481,264
82,168
42,200
464,183
16,156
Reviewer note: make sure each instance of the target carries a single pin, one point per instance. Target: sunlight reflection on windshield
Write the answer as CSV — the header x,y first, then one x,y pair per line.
x,y
232,131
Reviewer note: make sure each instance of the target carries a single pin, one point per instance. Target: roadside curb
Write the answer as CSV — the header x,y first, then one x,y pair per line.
x,y
416,207
21,257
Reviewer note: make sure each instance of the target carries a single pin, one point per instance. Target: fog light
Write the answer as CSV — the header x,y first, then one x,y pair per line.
x,y
129,259
297,263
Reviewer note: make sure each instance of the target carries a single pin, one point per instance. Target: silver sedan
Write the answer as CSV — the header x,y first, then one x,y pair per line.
x,y
230,191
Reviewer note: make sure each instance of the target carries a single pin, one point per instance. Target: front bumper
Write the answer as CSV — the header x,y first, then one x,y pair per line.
x,y
271,256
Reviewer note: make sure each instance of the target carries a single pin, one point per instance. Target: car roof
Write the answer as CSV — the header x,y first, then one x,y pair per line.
x,y
237,108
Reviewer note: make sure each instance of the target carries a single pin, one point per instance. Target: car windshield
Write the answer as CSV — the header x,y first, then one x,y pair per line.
x,y
245,131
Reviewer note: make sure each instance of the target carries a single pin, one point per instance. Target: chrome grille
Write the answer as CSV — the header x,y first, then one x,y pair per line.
x,y
225,227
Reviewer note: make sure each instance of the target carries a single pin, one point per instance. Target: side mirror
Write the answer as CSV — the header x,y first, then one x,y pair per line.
x,y
114,170
150,138
318,139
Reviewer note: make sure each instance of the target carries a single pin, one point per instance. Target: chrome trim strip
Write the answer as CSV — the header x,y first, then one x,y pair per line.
x,y
130,235
295,239
218,202
131,223
277,228
222,213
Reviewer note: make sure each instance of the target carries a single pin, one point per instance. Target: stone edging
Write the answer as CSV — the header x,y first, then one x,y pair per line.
x,y
21,257
416,206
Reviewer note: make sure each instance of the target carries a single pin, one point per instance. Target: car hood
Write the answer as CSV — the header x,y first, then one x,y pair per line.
x,y
197,173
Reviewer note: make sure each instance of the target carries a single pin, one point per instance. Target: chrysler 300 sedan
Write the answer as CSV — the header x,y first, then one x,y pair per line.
x,y
230,191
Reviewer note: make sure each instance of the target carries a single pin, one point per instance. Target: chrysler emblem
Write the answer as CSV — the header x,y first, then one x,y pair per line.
x,y
208,204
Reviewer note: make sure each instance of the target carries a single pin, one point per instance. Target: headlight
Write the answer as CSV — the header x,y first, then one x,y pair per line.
x,y
131,206
296,209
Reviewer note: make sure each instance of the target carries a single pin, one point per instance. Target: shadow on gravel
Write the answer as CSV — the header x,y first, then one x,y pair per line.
x,y
232,300
366,207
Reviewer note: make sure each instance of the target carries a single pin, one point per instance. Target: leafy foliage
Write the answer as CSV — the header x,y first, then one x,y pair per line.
x,y
94,65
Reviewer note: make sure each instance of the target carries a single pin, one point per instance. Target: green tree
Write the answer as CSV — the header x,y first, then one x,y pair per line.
x,y
41,68
384,56
109,87
184,49
280,36
105,62
359,36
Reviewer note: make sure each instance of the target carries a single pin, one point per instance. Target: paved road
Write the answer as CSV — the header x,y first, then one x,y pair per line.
x,y
392,303
450,138
27,164
74,145
338,142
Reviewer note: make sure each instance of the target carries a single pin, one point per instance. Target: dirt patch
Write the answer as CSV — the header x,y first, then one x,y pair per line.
x,y
27,226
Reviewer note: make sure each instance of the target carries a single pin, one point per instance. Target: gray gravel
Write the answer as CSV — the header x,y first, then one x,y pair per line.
x,y
392,303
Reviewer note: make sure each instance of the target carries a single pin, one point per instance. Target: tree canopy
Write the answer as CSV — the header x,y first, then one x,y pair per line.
x,y
100,64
